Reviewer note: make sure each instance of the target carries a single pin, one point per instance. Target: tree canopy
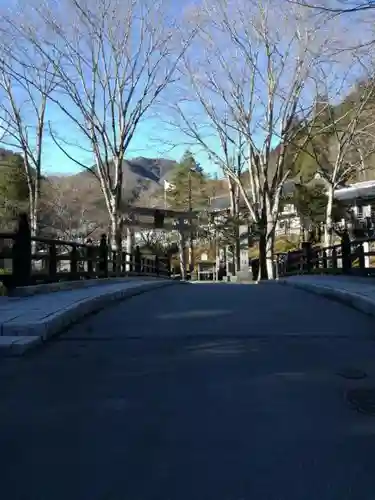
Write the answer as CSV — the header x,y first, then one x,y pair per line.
x,y
188,181
13,186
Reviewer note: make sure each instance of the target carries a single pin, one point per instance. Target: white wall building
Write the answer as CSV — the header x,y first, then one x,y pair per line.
x,y
289,221
360,197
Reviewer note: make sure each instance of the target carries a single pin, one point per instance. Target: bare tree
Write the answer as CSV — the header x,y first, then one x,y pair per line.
x,y
115,59
337,6
345,143
66,214
27,80
358,17
156,241
253,76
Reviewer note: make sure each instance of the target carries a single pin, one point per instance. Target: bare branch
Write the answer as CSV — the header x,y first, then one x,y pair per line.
x,y
26,81
115,60
251,70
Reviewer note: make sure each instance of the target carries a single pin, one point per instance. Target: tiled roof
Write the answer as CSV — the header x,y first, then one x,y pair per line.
x,y
223,202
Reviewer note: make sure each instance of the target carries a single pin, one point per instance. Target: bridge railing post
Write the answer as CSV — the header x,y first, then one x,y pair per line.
x,y
103,257
346,251
137,260
22,253
307,256
74,255
52,261
334,258
90,256
361,256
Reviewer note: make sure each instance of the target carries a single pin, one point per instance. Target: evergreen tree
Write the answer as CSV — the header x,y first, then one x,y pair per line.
x,y
14,193
310,202
189,185
314,155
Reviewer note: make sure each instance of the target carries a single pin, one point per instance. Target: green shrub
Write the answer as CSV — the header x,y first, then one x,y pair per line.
x,y
3,289
282,244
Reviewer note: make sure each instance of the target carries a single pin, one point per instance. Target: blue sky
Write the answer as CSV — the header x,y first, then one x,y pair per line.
x,y
152,139
149,139
145,143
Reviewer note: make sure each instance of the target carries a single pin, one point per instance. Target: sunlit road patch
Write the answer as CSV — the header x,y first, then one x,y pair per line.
x,y
195,314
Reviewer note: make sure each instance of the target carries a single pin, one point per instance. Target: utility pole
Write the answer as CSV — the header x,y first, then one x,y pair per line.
x,y
191,238
181,248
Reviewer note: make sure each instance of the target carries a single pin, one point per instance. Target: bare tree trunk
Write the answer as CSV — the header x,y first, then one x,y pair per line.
x,y
129,240
262,274
234,197
33,219
270,242
181,247
33,214
191,252
110,78
116,236
328,221
34,197
301,230
237,250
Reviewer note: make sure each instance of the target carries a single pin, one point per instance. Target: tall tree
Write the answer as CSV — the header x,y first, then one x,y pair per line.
x,y
13,187
252,75
115,60
66,214
310,201
338,6
344,143
187,185
27,81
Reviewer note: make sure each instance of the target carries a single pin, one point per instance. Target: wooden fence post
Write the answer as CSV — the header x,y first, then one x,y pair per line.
x,y
21,253
346,252
307,257
137,259
103,256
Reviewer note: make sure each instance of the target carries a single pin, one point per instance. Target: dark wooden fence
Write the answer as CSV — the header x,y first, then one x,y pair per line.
x,y
28,261
354,257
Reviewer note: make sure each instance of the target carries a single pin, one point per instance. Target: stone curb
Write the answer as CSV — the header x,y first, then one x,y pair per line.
x,y
19,338
351,299
27,291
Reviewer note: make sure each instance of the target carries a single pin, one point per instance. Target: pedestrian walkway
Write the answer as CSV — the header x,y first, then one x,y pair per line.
x,y
358,292
27,321
214,392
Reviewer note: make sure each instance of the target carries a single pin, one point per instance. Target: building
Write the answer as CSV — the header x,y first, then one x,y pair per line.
x,y
359,198
289,221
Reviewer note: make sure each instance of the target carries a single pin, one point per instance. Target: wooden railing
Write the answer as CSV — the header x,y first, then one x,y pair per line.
x,y
356,257
28,261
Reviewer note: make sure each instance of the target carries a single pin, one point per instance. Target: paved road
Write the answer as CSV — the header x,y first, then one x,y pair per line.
x,y
215,392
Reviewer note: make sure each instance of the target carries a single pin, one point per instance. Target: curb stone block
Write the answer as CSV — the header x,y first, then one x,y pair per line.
x,y
359,302
20,336
17,345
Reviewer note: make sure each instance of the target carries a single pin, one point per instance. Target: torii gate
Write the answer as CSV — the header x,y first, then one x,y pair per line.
x,y
157,218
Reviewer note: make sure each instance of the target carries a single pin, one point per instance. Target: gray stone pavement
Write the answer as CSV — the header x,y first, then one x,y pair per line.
x,y
215,392
27,321
355,291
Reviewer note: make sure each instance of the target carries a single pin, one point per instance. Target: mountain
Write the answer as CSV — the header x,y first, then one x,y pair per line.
x,y
142,176
74,201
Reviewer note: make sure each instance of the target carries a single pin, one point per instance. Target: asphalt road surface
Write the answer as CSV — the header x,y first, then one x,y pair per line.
x,y
215,392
